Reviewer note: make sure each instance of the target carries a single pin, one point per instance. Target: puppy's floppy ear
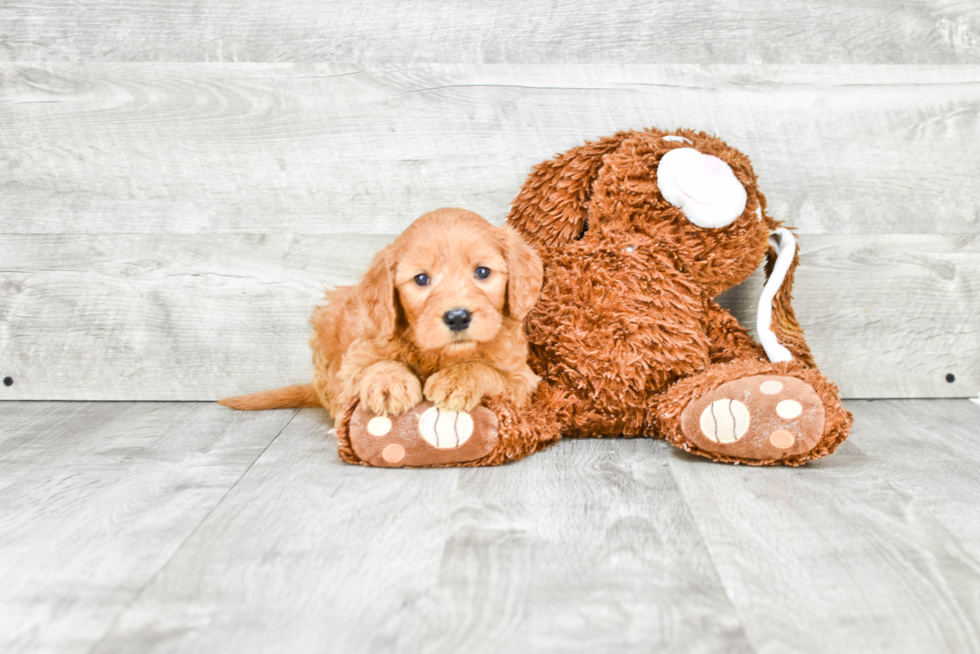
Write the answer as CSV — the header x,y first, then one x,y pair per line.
x,y
525,273
377,292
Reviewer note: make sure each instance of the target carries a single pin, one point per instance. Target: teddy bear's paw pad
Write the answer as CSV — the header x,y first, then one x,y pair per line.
x,y
422,436
762,417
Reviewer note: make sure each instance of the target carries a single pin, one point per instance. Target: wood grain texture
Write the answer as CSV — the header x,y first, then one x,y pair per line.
x,y
335,149
932,462
603,553
96,498
185,317
176,317
314,555
118,533
494,31
584,548
845,554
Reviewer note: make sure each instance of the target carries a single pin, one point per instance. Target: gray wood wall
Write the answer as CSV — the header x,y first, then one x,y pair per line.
x,y
180,181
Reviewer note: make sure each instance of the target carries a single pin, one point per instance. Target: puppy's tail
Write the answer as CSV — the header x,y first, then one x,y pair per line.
x,y
287,397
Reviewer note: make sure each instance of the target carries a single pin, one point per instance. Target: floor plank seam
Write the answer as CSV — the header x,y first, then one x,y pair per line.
x,y
183,543
707,551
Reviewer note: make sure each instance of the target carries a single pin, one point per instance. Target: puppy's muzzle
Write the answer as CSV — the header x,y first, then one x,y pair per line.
x,y
457,319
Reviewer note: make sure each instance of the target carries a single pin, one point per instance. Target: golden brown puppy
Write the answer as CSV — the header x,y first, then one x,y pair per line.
x,y
438,315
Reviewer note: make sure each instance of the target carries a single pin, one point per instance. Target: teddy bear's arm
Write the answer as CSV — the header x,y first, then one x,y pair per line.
x,y
729,340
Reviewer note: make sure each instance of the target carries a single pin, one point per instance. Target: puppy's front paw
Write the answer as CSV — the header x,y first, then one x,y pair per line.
x,y
391,394
453,389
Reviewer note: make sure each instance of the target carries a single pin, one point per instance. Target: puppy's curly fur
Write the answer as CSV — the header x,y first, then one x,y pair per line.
x,y
388,341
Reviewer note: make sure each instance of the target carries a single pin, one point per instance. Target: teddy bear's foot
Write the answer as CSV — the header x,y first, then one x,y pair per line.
x,y
760,417
422,436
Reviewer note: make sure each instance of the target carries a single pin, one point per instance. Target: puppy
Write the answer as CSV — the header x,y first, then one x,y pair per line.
x,y
438,315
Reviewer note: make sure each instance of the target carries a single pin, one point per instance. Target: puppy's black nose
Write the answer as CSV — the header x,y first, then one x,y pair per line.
x,y
457,319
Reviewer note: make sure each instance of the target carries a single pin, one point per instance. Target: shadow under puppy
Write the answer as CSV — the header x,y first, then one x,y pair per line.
x,y
438,315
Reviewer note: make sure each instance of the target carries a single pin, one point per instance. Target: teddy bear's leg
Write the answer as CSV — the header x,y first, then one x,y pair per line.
x,y
754,412
495,432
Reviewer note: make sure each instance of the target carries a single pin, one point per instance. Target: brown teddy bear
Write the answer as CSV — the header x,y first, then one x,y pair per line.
x,y
637,233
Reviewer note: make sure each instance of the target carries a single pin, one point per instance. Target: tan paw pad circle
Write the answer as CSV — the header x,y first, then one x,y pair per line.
x,y
393,453
725,421
782,439
445,429
379,426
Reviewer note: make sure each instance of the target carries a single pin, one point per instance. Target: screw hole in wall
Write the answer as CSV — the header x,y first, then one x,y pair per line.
x,y
8,381
950,378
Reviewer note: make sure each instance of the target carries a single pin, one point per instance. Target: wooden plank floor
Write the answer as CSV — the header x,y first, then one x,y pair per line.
x,y
185,527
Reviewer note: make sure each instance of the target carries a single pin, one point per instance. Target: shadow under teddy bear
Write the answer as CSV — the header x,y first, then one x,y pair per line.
x,y
638,232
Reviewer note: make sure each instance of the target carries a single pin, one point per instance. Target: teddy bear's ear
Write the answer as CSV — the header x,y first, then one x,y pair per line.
x,y
551,206
779,331
702,186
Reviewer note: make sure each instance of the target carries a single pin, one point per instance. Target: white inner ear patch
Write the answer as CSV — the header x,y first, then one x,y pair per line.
x,y
702,186
673,138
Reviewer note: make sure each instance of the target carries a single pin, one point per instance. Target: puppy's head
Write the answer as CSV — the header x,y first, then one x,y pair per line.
x,y
450,280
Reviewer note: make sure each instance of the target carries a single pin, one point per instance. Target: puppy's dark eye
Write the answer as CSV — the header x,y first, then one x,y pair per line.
x,y
422,279
482,273
585,228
